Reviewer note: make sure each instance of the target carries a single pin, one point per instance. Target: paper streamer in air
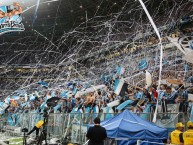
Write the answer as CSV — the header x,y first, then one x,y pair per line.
x,y
161,50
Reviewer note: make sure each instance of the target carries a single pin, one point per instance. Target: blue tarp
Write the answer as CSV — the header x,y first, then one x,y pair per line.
x,y
127,125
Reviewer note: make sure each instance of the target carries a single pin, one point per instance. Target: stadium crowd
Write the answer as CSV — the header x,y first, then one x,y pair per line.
x,y
176,76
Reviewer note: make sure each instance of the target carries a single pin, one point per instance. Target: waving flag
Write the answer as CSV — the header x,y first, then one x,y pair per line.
x,y
57,107
120,70
44,84
32,97
120,87
143,64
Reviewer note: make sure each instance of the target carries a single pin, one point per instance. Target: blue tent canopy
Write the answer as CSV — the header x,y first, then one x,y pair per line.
x,y
127,125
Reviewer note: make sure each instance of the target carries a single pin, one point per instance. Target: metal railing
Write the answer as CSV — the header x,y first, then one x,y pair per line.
x,y
73,127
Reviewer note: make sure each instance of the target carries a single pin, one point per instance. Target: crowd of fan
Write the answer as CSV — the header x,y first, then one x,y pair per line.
x,y
140,95
64,93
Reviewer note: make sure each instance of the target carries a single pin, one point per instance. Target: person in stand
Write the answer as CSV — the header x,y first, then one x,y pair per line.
x,y
154,93
96,134
168,98
146,95
36,128
188,135
183,99
142,103
176,137
137,97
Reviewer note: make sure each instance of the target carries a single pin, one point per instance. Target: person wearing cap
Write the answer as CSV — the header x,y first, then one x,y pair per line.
x,y
188,135
176,137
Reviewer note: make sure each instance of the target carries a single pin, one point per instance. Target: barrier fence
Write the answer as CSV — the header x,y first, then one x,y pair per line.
x,y
73,127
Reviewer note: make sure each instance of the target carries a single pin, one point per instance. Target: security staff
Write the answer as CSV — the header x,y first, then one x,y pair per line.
x,y
176,136
96,134
188,135
37,128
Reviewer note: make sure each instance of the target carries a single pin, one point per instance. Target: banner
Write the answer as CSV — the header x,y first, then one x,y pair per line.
x,y
11,18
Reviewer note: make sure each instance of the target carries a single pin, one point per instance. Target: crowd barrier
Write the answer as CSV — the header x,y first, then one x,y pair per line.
x,y
73,127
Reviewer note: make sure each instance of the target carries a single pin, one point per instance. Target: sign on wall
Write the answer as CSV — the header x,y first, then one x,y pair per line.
x,y
11,18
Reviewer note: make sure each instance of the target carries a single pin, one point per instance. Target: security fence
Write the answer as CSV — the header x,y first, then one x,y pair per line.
x,y
73,127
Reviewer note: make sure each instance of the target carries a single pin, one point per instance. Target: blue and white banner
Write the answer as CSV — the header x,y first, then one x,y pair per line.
x,y
118,86
143,64
120,70
44,84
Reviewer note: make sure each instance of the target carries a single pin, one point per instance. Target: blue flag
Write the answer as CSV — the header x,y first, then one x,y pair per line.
x,y
44,84
120,70
143,64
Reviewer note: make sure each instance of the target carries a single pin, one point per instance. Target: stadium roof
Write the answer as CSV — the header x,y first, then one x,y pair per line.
x,y
62,30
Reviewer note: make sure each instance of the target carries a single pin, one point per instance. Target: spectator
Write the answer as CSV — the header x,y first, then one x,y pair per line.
x,y
183,99
137,97
168,98
154,93
146,95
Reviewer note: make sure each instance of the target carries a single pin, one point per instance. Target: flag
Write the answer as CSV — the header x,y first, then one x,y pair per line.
x,y
3,9
52,102
143,64
43,105
120,87
53,94
75,90
57,107
44,84
185,67
1,104
69,84
26,98
63,94
32,97
120,70
102,77
14,98
23,105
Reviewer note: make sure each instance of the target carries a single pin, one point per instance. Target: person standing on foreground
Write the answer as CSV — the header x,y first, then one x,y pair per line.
x,y
188,135
96,134
37,128
176,136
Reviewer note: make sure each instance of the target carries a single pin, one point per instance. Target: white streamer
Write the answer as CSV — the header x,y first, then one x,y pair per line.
x,y
39,4
161,50
86,142
35,14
